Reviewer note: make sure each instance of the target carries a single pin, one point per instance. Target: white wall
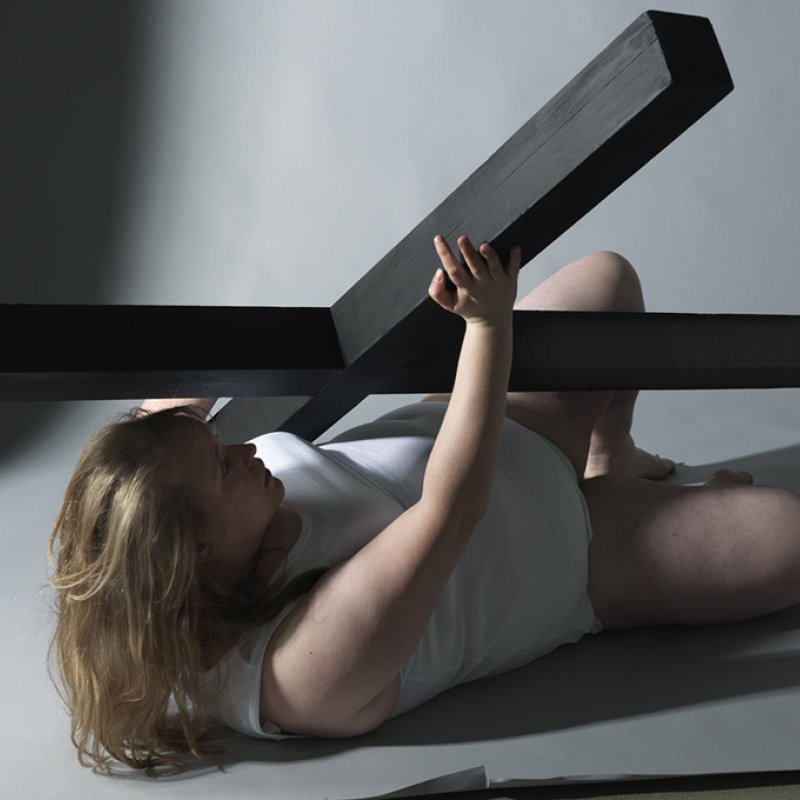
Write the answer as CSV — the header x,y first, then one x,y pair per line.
x,y
286,139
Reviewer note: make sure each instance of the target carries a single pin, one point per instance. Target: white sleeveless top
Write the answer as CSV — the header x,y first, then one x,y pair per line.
x,y
517,592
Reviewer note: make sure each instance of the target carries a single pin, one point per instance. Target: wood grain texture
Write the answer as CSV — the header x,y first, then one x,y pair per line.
x,y
302,369
655,80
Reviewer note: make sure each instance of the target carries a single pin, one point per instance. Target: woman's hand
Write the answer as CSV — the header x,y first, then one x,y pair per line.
x,y
485,290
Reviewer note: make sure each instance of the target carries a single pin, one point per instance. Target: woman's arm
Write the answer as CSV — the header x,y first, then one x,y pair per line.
x,y
462,462
331,669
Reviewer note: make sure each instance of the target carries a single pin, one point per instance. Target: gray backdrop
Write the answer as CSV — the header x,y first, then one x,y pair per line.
x,y
263,152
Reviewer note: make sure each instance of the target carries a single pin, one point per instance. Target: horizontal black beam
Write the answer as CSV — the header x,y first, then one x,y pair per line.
x,y
73,352
581,351
553,350
661,75
302,369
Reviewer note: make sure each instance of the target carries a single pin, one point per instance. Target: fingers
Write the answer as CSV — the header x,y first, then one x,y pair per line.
x,y
492,260
476,262
473,260
480,287
438,291
449,262
514,261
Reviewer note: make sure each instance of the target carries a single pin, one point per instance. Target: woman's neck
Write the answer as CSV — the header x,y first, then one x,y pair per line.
x,y
282,534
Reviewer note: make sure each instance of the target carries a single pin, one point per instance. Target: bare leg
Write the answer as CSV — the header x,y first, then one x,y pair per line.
x,y
664,554
612,449
591,428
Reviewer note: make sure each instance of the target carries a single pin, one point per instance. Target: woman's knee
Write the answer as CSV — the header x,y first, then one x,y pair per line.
x,y
601,281
623,289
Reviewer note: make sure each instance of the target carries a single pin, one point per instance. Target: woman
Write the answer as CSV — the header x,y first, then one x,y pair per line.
x,y
449,540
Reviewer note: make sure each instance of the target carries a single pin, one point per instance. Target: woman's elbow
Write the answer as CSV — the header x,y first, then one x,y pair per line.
x,y
457,510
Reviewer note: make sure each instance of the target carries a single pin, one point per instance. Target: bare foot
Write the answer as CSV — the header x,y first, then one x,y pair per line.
x,y
628,460
727,477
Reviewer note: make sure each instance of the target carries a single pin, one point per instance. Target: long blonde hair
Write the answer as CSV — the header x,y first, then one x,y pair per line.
x,y
137,621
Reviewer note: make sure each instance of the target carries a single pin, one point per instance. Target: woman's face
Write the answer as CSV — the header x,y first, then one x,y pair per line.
x,y
240,497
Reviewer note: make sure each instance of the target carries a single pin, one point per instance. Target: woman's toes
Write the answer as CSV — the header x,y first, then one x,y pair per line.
x,y
727,477
653,467
667,464
631,461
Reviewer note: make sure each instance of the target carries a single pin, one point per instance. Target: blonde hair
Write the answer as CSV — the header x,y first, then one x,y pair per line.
x,y
137,621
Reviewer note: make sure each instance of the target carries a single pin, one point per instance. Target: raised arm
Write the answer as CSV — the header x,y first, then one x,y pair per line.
x,y
332,668
462,463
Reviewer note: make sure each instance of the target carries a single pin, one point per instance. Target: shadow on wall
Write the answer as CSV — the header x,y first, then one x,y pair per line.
x,y
68,87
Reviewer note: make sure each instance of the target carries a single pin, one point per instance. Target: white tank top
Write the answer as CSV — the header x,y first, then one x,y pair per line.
x,y
517,592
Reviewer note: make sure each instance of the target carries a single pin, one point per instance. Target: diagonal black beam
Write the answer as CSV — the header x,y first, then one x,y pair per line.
x,y
649,85
657,78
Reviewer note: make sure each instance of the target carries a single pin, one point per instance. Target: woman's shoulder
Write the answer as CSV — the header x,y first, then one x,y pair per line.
x,y
280,441
231,686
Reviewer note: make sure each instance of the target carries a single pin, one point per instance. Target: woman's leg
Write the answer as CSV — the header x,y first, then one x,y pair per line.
x,y
591,428
664,554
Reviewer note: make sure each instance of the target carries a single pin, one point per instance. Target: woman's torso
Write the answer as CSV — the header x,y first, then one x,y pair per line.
x,y
519,589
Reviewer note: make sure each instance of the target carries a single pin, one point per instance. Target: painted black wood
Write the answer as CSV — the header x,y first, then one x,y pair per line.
x,y
149,351
577,351
114,352
661,75
302,369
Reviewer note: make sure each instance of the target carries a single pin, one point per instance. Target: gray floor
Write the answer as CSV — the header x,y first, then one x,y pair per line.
x,y
645,703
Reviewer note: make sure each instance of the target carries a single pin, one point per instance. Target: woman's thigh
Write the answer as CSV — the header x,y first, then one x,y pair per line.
x,y
565,419
666,554
602,281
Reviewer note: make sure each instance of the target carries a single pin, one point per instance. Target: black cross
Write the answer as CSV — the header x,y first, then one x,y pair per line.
x,y
384,335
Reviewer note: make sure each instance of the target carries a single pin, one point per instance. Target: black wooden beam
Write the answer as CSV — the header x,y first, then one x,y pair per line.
x,y
649,85
582,351
284,353
76,352
302,369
